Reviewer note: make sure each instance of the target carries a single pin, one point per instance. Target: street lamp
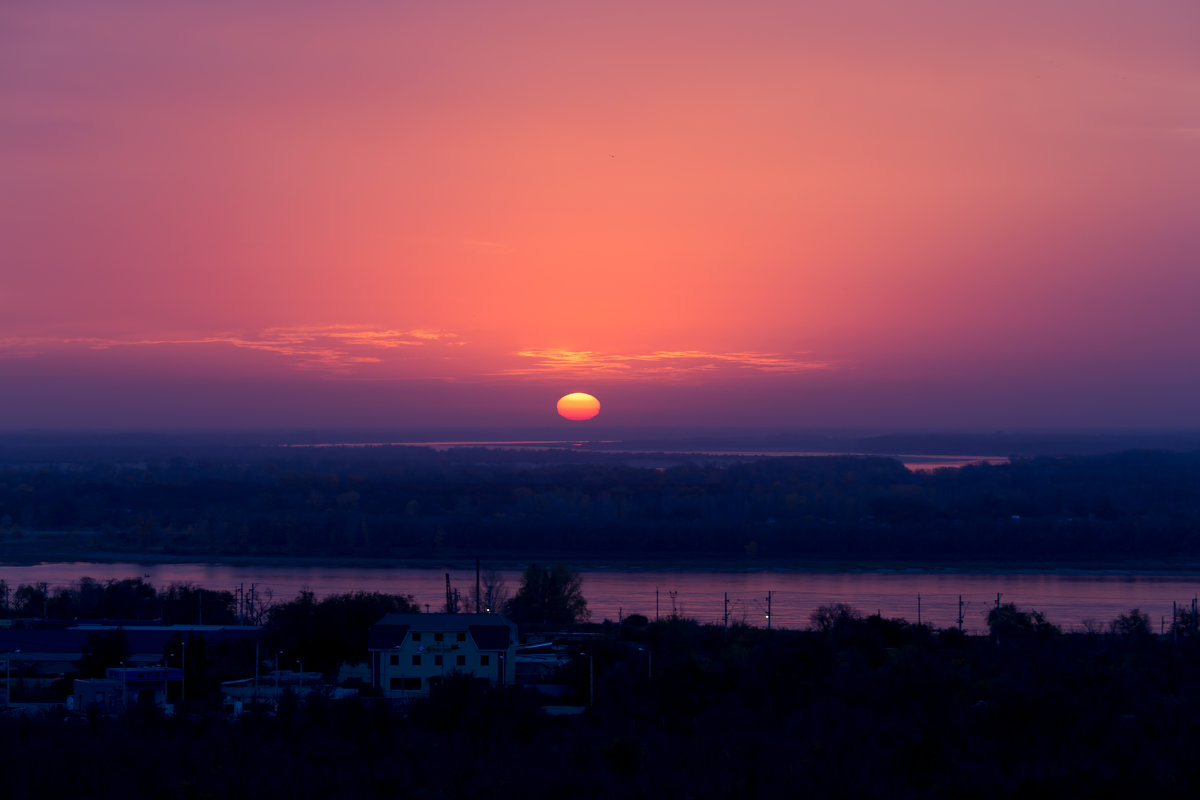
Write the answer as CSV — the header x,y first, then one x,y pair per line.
x,y
649,663
591,680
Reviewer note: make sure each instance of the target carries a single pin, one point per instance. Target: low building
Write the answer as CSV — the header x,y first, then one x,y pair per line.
x,y
105,695
413,653
50,649
123,688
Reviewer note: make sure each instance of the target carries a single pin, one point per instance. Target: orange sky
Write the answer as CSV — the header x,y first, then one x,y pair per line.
x,y
854,213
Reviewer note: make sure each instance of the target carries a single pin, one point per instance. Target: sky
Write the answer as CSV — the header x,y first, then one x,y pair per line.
x,y
930,214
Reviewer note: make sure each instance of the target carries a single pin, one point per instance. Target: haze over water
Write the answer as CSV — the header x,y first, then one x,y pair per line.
x,y
911,461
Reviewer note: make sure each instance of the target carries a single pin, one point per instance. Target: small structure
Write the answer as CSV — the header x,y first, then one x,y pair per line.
x,y
50,649
413,653
102,694
271,687
123,688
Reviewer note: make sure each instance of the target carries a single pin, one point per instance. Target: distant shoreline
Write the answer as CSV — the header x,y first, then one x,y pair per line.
x,y
589,563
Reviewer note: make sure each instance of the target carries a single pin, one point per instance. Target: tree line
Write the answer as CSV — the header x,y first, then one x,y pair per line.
x,y
1132,504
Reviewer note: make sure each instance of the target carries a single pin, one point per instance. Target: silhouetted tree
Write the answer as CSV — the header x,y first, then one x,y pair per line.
x,y
103,650
1134,625
832,617
1187,621
1006,621
549,595
31,601
324,634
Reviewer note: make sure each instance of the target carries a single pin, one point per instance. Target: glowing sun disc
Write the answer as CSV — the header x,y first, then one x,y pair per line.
x,y
578,406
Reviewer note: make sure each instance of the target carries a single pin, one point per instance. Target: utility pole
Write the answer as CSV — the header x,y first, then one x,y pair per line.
x,y
768,609
918,609
656,604
591,680
727,616
256,672
960,618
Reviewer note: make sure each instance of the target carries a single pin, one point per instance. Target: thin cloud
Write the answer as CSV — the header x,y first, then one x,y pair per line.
x,y
659,363
334,347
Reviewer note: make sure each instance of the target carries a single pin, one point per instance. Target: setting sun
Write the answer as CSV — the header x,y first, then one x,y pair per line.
x,y
578,406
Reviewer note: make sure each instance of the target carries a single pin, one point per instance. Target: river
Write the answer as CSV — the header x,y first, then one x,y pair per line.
x,y
1067,598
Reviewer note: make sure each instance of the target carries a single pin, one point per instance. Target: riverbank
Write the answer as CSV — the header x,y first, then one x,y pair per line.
x,y
623,562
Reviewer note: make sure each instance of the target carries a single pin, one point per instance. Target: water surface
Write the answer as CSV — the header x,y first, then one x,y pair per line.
x,y
1067,598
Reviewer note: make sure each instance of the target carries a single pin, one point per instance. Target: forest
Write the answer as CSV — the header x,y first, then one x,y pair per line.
x,y
415,502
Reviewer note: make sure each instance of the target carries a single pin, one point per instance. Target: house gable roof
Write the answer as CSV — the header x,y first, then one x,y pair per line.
x,y
489,631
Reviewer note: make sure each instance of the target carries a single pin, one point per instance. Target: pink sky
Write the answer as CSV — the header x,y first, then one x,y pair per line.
x,y
787,213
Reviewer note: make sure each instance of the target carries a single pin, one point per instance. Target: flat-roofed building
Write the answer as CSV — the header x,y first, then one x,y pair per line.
x,y
413,653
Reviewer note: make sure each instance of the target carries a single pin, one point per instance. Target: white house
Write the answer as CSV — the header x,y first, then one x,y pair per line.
x,y
412,653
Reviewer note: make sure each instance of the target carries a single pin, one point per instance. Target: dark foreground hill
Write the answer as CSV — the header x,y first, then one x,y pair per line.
x,y
858,708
